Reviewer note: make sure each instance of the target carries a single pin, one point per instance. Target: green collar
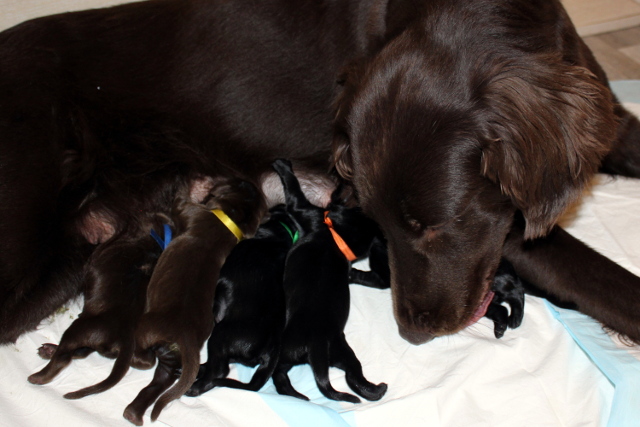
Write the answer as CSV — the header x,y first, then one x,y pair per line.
x,y
294,236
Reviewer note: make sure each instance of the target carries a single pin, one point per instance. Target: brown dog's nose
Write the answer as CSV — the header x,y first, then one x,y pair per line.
x,y
415,337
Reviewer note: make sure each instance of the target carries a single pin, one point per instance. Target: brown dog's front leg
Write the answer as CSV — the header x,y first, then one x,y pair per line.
x,y
571,271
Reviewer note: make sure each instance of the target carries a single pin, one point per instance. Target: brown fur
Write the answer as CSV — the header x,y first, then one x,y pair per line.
x,y
178,316
116,282
451,116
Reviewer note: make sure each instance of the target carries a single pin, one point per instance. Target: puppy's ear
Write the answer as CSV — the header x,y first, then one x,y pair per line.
x,y
547,126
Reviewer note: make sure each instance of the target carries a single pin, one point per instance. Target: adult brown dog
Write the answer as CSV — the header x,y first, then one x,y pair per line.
x,y
451,116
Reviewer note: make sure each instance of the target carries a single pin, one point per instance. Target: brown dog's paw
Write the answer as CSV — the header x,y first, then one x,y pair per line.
x,y
46,351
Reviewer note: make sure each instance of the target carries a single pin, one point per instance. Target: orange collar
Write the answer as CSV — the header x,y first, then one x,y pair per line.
x,y
342,245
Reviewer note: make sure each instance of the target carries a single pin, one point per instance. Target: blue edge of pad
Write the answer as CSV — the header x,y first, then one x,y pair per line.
x,y
627,90
617,365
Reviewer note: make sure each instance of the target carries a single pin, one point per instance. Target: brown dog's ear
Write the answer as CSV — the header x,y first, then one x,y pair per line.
x,y
348,79
342,156
547,127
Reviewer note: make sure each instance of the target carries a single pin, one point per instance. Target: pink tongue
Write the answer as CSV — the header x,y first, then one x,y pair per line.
x,y
482,309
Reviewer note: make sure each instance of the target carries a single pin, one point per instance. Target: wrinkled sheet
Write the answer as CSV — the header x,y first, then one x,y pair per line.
x,y
535,375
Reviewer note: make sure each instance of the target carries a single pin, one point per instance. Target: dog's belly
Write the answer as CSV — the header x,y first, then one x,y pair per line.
x,y
316,187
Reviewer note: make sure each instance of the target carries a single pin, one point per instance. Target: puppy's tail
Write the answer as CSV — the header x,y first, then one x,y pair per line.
x,y
319,361
120,368
190,357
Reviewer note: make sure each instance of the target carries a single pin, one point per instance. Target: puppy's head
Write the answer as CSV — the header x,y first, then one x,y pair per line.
x,y
240,200
443,148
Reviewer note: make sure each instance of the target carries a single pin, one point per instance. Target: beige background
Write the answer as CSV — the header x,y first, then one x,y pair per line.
x,y
15,11
590,16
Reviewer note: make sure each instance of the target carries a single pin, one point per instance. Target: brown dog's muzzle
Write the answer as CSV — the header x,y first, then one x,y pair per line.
x,y
415,337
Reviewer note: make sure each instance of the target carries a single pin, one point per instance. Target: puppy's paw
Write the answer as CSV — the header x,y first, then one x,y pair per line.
x,y
37,379
517,313
47,350
132,416
373,392
499,329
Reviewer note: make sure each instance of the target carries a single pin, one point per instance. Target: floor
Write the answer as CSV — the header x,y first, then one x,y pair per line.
x,y
611,28
618,52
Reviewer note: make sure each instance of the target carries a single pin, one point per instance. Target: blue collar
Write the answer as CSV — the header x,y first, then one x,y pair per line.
x,y
167,237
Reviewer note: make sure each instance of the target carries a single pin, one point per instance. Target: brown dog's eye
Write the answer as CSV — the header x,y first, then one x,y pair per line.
x,y
415,225
431,233
422,230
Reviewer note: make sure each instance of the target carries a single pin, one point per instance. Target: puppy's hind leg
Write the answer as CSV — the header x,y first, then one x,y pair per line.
x,y
71,344
258,380
60,360
208,374
120,368
46,351
283,383
344,358
319,361
166,373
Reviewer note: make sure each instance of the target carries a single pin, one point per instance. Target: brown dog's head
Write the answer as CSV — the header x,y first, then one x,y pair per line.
x,y
443,146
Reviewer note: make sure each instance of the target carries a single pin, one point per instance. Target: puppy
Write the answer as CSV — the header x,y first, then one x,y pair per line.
x,y
115,285
178,314
316,286
249,307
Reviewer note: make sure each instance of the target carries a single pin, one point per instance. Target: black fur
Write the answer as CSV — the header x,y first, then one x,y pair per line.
x,y
316,286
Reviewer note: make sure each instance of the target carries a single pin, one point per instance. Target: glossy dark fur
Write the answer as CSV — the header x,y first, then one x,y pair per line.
x,y
249,308
178,315
316,286
508,288
447,115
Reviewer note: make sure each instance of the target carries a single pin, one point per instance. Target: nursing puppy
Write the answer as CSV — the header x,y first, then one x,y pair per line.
x,y
178,314
316,286
249,308
115,287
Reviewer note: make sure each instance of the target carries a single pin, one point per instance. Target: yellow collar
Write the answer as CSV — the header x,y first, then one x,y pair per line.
x,y
228,222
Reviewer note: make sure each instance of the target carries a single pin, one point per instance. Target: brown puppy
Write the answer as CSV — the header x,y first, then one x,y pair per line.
x,y
453,115
115,288
178,316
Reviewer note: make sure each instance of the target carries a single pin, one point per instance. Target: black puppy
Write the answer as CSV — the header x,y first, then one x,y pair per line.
x,y
316,286
507,287
249,307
